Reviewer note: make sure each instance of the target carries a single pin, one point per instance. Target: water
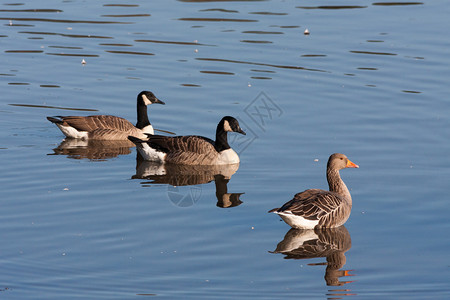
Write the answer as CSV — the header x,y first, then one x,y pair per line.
x,y
87,221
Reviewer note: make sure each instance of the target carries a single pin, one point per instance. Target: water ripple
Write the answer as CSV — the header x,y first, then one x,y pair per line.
x,y
127,16
216,20
260,64
129,52
63,21
373,53
396,3
52,107
88,36
332,7
172,42
32,10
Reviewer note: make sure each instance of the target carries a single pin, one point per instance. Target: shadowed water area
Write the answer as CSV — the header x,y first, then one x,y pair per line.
x,y
305,79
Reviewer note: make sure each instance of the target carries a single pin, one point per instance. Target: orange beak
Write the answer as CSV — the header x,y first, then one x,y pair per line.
x,y
351,164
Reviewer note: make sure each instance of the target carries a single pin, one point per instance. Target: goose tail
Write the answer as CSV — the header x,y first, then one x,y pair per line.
x,y
55,120
135,140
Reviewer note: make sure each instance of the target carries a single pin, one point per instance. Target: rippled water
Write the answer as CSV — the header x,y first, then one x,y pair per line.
x,y
89,220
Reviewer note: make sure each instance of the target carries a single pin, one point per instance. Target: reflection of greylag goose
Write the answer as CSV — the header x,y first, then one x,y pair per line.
x,y
105,127
93,149
320,208
331,243
191,149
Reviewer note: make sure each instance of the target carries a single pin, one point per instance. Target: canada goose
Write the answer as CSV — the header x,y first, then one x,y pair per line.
x,y
319,208
105,127
191,149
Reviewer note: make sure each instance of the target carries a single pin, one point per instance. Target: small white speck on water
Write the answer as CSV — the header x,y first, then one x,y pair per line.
x,y
253,227
196,41
306,32
249,84
65,189
69,28
10,23
316,159
196,50
83,62
64,254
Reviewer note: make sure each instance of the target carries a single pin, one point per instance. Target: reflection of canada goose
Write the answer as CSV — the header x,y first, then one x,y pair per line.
x,y
183,175
191,149
225,199
105,127
319,208
92,149
331,243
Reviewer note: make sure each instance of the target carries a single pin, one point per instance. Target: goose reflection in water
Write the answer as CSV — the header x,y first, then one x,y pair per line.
x,y
93,149
186,175
331,243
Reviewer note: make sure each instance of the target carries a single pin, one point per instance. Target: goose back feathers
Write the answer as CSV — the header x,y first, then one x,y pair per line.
x,y
319,208
106,127
192,149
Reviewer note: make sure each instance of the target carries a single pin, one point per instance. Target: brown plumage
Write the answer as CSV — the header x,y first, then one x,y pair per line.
x,y
331,243
319,208
106,127
192,149
196,150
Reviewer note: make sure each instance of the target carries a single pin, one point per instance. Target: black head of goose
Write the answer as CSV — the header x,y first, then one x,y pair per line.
x,y
315,208
191,149
106,127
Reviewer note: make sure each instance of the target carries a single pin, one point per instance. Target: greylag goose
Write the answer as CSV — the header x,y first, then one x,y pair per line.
x,y
105,127
191,149
319,208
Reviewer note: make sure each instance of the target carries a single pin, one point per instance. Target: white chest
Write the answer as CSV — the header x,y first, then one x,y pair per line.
x,y
148,129
228,156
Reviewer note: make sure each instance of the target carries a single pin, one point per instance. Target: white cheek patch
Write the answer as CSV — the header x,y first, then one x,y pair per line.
x,y
226,126
146,100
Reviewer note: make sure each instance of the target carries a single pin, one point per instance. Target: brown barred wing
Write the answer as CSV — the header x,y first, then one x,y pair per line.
x,y
91,123
313,204
189,143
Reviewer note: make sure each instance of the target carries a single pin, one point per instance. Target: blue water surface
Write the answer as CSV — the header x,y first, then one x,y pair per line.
x,y
369,80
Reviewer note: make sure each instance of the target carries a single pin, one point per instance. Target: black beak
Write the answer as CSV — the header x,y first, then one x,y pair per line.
x,y
158,101
241,131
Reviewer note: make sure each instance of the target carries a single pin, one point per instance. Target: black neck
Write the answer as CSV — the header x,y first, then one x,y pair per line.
x,y
142,117
221,139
